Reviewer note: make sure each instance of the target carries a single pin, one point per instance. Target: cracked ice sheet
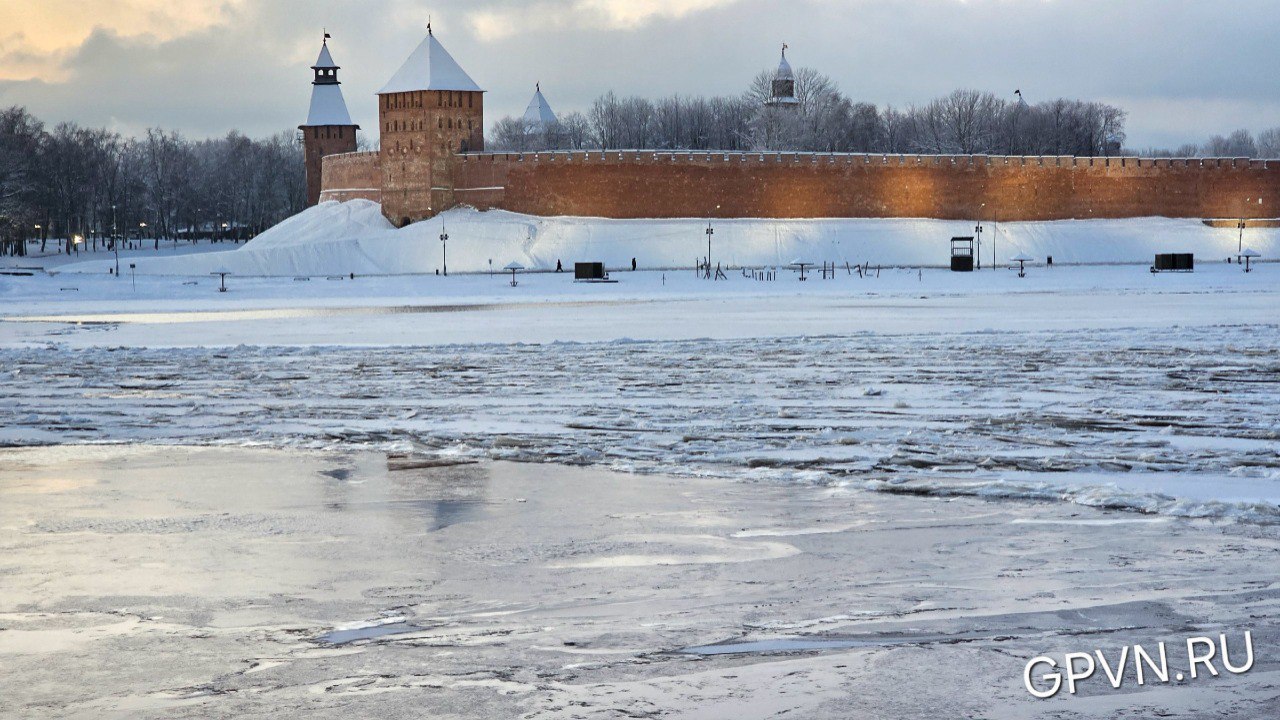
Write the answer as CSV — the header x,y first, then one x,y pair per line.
x,y
1181,421
176,582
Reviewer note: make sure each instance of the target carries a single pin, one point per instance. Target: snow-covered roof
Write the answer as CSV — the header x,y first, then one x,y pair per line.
x,y
539,112
325,60
430,67
327,106
784,68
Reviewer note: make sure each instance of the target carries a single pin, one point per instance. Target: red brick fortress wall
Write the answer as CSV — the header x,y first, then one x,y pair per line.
x,y
350,176
639,184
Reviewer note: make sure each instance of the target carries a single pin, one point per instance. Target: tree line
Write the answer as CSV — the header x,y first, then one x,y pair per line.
x,y
1239,144
69,181
826,120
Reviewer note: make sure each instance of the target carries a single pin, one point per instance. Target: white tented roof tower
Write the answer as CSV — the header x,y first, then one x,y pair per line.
x,y
783,88
430,67
539,114
327,104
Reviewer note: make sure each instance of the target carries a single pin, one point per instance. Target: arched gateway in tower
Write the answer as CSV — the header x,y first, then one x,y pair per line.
x,y
429,111
328,129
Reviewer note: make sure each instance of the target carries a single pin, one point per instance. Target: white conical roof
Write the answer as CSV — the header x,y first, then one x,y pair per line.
x,y
430,67
325,60
539,112
327,106
784,68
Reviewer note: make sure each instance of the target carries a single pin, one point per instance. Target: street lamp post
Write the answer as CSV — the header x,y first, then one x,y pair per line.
x,y
115,241
978,229
1240,228
444,249
710,232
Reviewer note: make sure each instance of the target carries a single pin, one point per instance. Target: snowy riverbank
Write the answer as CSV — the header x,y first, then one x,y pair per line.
x,y
353,237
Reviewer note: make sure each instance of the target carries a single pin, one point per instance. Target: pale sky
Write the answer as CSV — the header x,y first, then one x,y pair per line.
x,y
1184,69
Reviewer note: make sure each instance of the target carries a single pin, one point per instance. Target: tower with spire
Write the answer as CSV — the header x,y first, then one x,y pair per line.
x,y
328,129
782,91
429,111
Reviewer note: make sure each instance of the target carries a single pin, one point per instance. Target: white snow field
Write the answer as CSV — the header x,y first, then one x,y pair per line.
x,y
353,237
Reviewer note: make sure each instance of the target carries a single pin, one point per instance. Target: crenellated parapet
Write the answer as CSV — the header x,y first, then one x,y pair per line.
x,y
678,183
350,176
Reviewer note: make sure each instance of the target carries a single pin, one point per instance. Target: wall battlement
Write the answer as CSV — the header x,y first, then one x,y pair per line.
x,y
862,158
678,183
348,176
648,183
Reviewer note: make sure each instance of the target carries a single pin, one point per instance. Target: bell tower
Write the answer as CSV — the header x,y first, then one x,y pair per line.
x,y
783,88
328,130
428,112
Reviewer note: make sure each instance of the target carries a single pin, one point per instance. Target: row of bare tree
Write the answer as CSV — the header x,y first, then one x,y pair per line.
x,y
825,120
69,181
1239,144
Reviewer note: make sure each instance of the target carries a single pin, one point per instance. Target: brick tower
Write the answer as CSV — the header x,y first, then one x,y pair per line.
x,y
428,112
328,130
782,91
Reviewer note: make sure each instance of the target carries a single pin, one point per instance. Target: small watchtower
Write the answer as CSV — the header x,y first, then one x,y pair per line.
x,y
328,129
783,89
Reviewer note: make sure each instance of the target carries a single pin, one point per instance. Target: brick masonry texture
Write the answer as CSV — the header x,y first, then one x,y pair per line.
x,y
422,132
640,184
351,176
319,142
632,184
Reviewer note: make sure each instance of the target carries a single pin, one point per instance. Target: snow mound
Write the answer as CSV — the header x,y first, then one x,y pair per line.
x,y
326,221
353,237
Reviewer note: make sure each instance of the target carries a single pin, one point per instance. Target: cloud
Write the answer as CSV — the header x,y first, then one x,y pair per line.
x,y
57,25
20,59
1185,69
497,23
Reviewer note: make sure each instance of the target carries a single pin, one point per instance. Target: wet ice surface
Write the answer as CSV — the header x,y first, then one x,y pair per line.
x,y
367,632
1183,421
173,582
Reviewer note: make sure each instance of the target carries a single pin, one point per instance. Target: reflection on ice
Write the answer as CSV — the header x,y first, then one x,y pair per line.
x,y
342,637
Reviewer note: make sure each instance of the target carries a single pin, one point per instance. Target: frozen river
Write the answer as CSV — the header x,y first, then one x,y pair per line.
x,y
1186,423
182,582
739,499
